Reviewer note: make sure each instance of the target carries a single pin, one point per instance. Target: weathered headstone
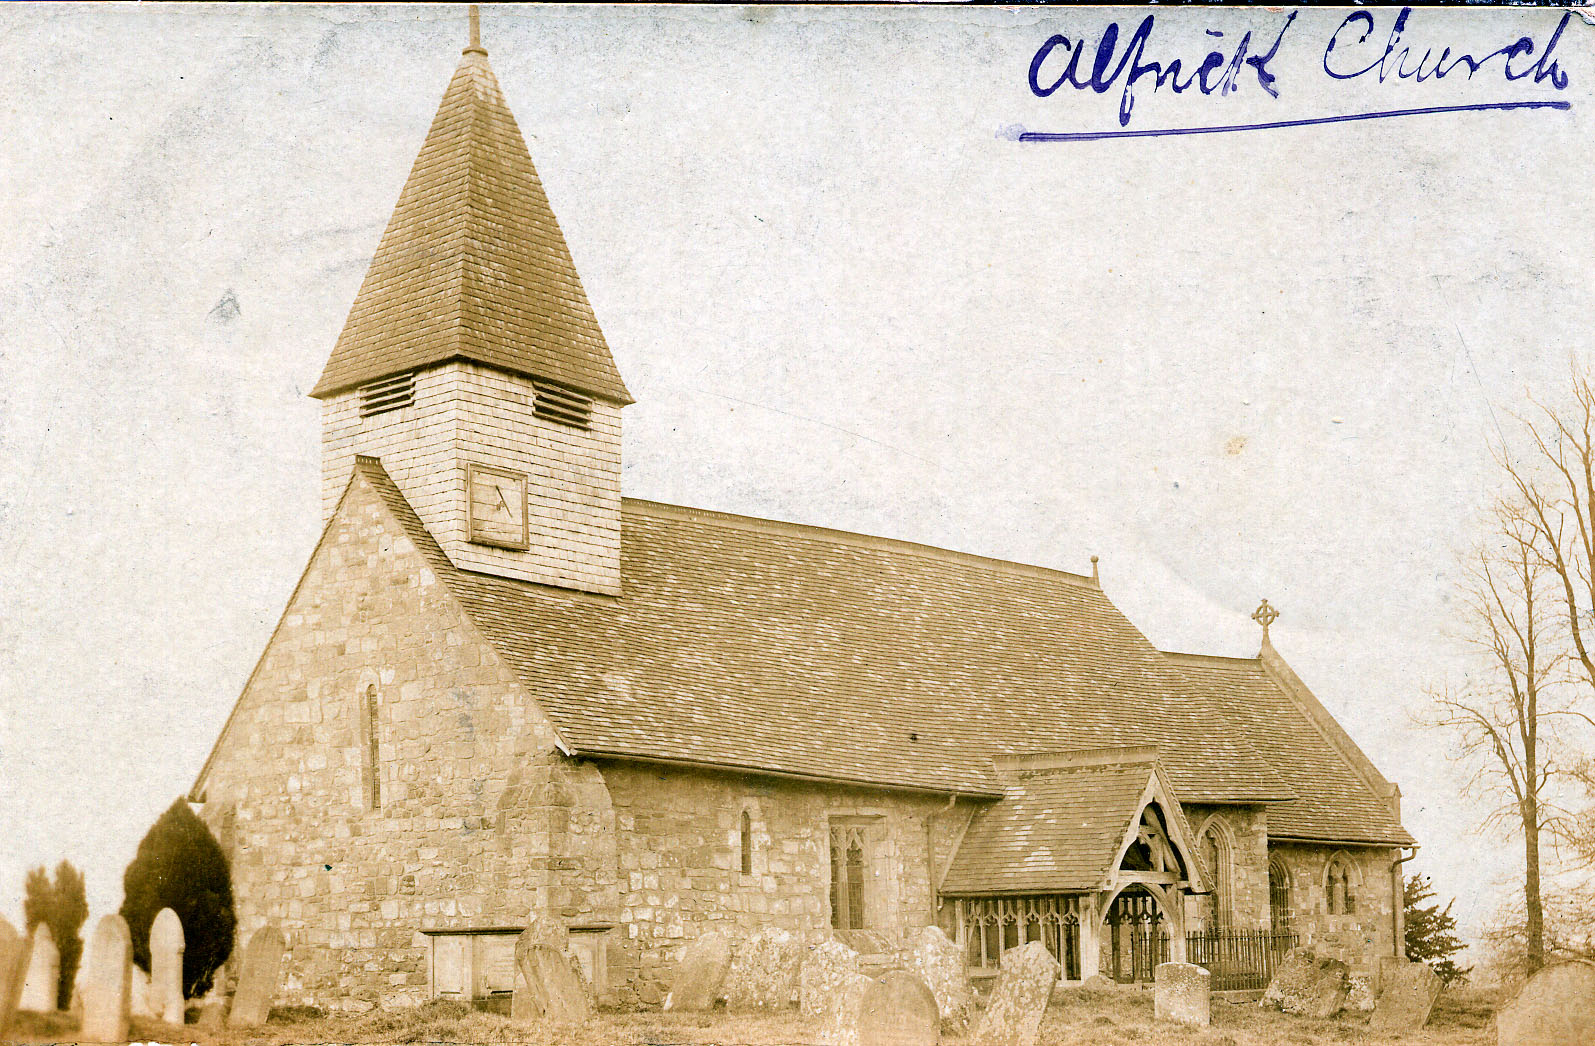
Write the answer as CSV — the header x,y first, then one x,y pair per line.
x,y
839,1023
212,1010
107,987
899,1010
764,971
138,1001
1013,1014
940,961
824,970
1556,1007
258,978
13,965
1182,993
1409,995
166,967
699,973
1360,996
1307,985
547,987
41,982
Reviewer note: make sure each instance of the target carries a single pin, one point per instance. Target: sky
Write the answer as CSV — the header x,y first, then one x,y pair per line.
x,y
843,292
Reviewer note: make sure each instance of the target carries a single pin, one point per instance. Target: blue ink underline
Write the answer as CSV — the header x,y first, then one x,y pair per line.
x,y
1088,136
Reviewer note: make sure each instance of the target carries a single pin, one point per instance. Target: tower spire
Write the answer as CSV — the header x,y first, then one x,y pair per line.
x,y
475,46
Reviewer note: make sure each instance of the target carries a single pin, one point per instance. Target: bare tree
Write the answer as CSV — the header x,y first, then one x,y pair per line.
x,y
1499,713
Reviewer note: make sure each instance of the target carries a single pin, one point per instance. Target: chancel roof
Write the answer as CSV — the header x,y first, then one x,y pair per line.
x,y
473,264
741,643
1333,800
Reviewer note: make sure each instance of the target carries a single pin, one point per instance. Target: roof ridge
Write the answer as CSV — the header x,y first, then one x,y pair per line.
x,y
1225,658
857,539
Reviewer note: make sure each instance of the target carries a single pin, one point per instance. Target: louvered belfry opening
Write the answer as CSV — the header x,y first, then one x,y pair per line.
x,y
562,405
391,393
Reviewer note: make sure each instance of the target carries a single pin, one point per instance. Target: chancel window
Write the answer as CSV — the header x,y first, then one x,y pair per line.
x,y
1216,856
1339,889
850,863
1279,914
746,838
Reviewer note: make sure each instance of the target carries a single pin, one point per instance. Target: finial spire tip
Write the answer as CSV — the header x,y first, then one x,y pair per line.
x,y
475,46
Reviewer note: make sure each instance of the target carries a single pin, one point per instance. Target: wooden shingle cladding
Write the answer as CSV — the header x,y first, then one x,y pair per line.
x,y
1336,797
473,264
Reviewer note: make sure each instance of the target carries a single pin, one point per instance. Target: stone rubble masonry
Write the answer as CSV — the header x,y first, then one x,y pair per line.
x,y
465,413
1182,993
481,820
1359,938
1245,828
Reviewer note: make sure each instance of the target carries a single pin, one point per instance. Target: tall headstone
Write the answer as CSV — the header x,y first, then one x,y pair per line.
x,y
1307,985
699,974
1410,992
166,967
764,971
41,982
826,968
1556,1007
1024,984
1182,993
547,986
258,978
107,988
13,960
899,1010
940,961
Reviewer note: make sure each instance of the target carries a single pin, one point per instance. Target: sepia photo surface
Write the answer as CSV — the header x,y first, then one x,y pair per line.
x,y
579,506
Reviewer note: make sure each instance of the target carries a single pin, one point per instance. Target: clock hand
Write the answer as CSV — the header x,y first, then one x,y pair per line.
x,y
502,500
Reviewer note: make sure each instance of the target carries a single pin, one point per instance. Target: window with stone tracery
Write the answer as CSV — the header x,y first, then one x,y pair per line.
x,y
851,861
1215,849
1339,887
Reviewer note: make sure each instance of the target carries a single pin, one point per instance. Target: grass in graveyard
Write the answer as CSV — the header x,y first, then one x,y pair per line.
x,y
1075,1018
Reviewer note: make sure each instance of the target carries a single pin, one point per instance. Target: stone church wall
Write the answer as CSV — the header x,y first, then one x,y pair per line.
x,y
480,821
1359,937
1245,831
680,862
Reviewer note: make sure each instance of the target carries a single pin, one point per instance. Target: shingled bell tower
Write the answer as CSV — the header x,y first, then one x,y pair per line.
x,y
472,365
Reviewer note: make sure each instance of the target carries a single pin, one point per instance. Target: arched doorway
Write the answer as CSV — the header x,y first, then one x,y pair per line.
x,y
1136,935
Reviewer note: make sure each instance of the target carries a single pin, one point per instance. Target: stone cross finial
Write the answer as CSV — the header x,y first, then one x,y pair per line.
x,y
1265,615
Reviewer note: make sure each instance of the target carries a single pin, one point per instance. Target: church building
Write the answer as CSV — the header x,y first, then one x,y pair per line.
x,y
503,692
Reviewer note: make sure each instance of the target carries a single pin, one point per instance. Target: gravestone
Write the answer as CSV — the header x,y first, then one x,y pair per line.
x,y
940,962
1556,1007
1360,995
138,1003
1307,985
212,1010
258,978
547,987
166,967
699,973
107,989
42,981
825,969
1409,995
839,1022
1013,1014
1182,993
13,965
764,971
898,1010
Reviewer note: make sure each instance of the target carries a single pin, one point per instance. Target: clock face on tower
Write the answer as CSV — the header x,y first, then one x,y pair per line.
x,y
497,499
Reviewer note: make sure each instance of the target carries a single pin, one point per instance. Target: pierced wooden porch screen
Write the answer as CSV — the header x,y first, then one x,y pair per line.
x,y
849,859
